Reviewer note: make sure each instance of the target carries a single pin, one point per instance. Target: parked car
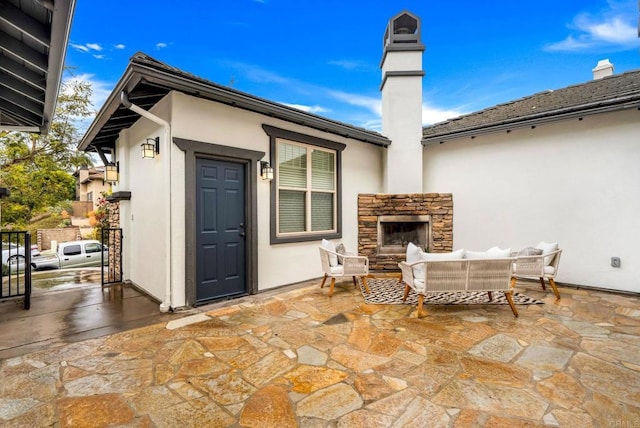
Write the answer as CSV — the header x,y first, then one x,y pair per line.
x,y
72,254
11,251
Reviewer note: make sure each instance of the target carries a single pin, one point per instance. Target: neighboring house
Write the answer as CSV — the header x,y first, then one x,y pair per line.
x,y
200,223
90,185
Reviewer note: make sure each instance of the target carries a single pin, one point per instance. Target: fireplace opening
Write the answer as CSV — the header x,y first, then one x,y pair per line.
x,y
395,232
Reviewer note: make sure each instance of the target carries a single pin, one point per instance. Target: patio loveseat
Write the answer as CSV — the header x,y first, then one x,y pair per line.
x,y
459,272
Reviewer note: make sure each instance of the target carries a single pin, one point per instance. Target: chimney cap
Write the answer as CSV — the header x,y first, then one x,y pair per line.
x,y
603,69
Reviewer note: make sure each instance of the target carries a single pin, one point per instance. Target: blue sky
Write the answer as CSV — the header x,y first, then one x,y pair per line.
x,y
324,57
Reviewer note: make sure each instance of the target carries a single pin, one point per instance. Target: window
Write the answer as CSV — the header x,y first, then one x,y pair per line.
x,y
92,247
72,250
306,181
305,193
90,196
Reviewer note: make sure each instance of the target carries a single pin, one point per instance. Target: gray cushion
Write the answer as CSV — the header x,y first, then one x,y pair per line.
x,y
530,251
341,250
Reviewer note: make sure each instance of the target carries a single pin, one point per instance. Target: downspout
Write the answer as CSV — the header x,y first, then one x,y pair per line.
x,y
165,306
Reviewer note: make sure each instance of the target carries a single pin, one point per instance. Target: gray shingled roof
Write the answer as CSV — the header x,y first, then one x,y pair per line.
x,y
147,80
614,92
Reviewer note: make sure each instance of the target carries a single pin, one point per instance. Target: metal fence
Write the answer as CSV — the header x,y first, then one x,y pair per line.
x,y
16,266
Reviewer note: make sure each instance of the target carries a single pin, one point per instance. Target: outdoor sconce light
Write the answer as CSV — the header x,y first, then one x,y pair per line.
x,y
151,148
266,172
111,171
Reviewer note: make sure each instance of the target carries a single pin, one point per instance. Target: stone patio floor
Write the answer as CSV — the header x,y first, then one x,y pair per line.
x,y
300,358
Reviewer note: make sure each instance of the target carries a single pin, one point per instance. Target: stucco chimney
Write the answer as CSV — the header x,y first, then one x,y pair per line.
x,y
603,69
402,103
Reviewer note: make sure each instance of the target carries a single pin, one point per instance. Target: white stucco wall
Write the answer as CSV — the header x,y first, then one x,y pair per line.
x,y
402,122
143,218
576,182
281,264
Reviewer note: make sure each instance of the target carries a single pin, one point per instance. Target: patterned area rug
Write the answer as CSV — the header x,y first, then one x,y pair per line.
x,y
389,292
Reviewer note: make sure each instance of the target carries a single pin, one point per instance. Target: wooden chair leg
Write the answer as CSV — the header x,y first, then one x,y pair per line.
x,y
509,297
407,289
542,282
513,282
554,287
333,282
364,282
355,281
490,296
323,280
421,312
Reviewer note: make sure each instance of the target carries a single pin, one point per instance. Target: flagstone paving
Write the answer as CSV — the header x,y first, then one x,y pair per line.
x,y
301,358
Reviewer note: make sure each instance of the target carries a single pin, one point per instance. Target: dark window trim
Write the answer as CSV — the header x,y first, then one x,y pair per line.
x,y
275,133
250,158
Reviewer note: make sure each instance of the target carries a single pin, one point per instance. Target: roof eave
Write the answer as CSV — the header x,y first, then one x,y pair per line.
x,y
137,72
60,30
128,80
538,119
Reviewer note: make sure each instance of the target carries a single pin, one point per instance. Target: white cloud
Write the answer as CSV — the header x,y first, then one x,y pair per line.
x,y
369,112
100,90
373,104
309,109
99,56
119,46
431,115
86,47
161,45
615,27
350,65
81,48
94,46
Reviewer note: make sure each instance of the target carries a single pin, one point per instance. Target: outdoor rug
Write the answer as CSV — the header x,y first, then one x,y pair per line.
x,y
388,291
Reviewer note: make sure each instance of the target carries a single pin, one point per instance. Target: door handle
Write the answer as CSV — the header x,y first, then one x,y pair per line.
x,y
242,234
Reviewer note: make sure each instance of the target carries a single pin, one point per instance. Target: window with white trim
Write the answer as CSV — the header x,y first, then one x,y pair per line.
x,y
306,196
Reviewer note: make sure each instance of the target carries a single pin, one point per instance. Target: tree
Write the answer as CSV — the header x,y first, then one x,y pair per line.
x,y
37,168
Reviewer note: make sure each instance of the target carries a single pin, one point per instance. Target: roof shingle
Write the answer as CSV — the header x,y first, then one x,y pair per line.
x,y
609,93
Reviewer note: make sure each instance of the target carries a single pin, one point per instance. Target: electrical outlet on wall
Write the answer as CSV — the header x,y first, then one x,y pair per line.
x,y
615,261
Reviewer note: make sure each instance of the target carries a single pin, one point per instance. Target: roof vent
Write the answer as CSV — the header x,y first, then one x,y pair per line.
x,y
603,69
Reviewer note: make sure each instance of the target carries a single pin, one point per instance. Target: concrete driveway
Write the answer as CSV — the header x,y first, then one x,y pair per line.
x,y
69,305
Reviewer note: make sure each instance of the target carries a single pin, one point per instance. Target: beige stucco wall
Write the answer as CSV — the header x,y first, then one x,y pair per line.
x,y
280,264
144,218
575,182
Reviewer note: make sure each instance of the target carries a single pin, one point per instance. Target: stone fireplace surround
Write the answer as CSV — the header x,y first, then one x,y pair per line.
x,y
439,206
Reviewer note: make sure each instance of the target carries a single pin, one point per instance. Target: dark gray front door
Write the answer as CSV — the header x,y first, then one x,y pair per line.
x,y
220,222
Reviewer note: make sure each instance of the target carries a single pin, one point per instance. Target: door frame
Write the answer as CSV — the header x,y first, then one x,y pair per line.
x,y
198,149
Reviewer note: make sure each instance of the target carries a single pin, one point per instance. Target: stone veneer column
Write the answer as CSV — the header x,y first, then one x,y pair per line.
x,y
115,263
437,205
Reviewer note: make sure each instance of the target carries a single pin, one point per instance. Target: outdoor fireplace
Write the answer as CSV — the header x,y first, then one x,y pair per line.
x,y
396,231
388,222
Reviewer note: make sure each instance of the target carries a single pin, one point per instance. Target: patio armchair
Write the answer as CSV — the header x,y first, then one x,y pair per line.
x,y
342,264
542,266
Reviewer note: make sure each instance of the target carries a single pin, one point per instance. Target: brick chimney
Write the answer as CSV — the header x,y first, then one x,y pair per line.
x,y
603,69
402,103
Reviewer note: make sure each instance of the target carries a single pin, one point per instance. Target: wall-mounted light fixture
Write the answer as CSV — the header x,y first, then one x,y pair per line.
x,y
266,172
111,172
150,148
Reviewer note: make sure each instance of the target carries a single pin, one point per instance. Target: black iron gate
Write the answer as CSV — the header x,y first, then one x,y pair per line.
x,y
112,270
16,266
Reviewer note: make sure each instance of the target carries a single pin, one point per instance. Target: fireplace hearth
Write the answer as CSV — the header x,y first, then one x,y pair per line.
x,y
388,222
